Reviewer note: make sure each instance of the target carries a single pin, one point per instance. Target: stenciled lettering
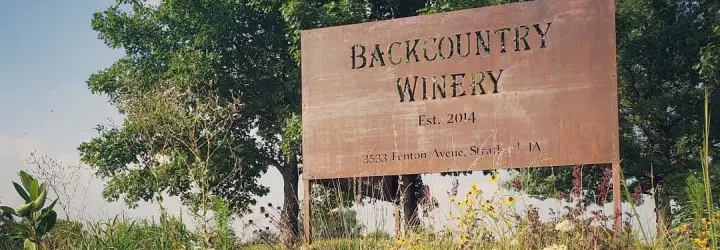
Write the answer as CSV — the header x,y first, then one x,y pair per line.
x,y
390,53
485,42
526,31
457,84
543,34
407,89
445,47
451,49
353,55
460,45
432,49
502,38
425,50
412,51
437,85
377,55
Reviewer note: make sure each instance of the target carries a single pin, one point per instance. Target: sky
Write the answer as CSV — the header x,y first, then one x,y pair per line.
x,y
47,52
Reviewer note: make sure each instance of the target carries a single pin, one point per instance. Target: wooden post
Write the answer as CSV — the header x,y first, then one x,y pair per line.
x,y
306,212
397,217
397,202
617,196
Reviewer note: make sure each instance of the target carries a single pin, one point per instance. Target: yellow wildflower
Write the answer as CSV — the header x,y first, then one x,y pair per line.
x,y
494,178
453,199
401,241
470,215
464,238
474,189
489,208
701,242
706,221
464,203
510,201
684,228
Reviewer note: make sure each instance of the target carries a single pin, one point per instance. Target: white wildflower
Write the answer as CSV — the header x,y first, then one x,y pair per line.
x,y
564,226
514,242
555,247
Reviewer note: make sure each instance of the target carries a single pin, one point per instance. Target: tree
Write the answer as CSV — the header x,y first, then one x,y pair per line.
x,y
662,103
198,51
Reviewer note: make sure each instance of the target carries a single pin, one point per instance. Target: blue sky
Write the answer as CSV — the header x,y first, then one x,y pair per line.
x,y
47,52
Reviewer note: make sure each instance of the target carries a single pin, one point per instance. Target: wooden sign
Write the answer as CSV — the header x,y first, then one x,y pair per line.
x,y
520,85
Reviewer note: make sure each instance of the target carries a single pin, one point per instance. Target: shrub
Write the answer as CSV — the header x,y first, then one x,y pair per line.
x,y
35,221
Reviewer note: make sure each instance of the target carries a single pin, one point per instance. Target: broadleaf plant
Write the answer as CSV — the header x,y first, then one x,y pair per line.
x,y
34,220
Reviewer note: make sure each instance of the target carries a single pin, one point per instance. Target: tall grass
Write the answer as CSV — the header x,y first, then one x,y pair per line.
x,y
706,174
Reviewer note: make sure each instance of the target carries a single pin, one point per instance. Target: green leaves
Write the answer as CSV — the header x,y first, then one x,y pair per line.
x,y
30,184
46,224
39,202
21,191
35,220
8,210
186,62
29,245
292,136
24,209
34,189
48,209
26,179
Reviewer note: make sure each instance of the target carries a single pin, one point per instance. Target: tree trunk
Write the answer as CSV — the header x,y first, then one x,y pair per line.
x,y
289,224
411,188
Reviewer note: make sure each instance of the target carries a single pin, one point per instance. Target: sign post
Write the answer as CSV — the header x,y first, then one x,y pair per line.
x,y
528,84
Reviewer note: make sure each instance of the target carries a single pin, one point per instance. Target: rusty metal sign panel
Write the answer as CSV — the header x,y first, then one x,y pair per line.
x,y
520,85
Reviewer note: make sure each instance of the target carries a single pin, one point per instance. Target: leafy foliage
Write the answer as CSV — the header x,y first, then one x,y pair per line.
x,y
200,50
35,221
